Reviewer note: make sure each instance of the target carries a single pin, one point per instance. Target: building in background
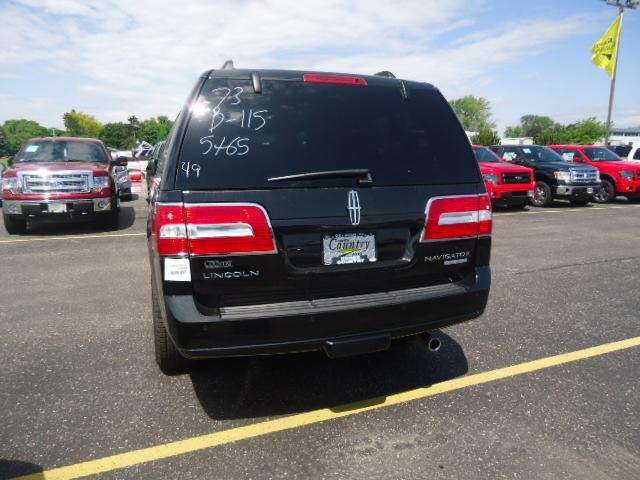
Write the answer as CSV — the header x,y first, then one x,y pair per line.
x,y
516,141
625,136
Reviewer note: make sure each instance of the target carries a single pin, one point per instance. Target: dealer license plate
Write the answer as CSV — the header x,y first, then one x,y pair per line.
x,y
348,249
589,190
56,207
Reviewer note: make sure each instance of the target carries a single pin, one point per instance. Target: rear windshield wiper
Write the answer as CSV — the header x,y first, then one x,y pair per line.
x,y
363,175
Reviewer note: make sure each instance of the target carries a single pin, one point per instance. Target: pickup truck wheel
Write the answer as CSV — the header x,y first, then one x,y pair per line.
x,y
542,196
606,193
168,358
14,225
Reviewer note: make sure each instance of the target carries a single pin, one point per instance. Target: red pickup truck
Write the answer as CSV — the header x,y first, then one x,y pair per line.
x,y
619,177
60,176
507,184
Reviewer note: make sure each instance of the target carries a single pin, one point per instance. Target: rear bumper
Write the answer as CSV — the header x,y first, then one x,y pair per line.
x,y
41,207
313,325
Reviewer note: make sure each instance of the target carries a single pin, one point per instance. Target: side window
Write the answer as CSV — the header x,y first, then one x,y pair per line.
x,y
510,155
164,152
636,156
569,155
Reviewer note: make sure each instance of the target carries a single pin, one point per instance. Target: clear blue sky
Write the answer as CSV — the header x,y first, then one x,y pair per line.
x,y
116,58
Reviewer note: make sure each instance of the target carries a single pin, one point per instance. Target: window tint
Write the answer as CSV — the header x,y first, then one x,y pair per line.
x,y
485,155
62,151
238,139
166,147
567,154
601,154
510,155
636,156
536,153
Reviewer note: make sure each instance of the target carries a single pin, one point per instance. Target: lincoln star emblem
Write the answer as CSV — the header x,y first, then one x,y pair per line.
x,y
353,206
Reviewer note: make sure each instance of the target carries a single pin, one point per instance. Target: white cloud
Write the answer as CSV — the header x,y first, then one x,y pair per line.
x,y
143,56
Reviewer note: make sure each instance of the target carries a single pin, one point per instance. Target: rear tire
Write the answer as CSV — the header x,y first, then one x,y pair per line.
x,y
606,193
168,358
542,196
14,225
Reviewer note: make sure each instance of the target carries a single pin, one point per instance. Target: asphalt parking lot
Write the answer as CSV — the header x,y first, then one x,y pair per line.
x,y
81,395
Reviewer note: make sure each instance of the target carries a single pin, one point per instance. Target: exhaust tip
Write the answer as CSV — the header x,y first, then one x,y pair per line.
x,y
433,343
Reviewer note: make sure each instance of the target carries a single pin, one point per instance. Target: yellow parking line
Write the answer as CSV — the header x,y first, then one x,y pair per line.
x,y
158,452
71,237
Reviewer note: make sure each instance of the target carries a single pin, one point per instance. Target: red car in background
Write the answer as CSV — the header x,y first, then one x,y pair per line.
x,y
60,177
619,177
507,184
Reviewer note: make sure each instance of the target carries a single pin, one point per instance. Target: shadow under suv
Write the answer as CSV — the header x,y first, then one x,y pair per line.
x,y
303,211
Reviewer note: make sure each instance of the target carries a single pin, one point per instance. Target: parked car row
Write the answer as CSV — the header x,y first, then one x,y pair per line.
x,y
577,173
619,177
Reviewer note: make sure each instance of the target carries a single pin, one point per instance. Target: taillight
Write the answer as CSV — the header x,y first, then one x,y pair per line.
x,y
171,229
457,217
229,229
213,229
341,79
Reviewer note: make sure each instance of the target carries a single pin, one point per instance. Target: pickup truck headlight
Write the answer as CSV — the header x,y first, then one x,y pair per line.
x,y
490,177
563,176
627,174
100,183
12,184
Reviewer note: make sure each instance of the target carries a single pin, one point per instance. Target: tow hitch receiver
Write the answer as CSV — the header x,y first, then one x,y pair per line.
x,y
357,345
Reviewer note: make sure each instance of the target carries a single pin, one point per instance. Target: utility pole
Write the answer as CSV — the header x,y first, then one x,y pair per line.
x,y
621,5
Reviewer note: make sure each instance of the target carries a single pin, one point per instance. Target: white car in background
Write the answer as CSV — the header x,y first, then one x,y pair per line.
x,y
634,154
140,157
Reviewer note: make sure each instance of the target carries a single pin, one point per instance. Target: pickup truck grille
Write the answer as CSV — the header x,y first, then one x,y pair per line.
x,y
584,176
516,177
56,183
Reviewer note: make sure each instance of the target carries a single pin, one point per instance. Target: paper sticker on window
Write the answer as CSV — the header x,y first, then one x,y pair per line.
x,y
526,150
32,148
177,270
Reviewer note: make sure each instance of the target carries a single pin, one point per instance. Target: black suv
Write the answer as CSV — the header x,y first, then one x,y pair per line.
x,y
555,177
304,211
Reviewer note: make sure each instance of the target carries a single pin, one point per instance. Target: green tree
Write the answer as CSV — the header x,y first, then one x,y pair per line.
x,y
134,126
154,130
19,131
4,143
117,135
474,113
552,136
585,132
80,124
543,129
486,136
514,132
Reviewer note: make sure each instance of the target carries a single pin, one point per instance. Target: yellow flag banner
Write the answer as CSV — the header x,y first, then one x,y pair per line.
x,y
605,50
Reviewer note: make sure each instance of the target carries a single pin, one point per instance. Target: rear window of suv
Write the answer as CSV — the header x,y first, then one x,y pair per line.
x,y
237,139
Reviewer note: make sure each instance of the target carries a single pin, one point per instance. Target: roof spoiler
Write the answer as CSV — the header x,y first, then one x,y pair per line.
x,y
228,65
